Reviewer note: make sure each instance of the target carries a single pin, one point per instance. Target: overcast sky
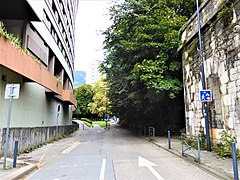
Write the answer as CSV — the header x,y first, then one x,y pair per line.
x,y
91,19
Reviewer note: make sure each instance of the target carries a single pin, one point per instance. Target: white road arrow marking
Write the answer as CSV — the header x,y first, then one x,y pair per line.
x,y
144,162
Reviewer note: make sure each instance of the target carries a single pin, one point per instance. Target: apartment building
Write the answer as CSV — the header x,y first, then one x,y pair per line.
x,y
43,67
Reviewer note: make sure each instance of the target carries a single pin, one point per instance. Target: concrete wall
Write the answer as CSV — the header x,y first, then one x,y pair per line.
x,y
34,107
222,70
31,137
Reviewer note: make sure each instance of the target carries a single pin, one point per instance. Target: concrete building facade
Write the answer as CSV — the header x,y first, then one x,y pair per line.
x,y
43,66
220,29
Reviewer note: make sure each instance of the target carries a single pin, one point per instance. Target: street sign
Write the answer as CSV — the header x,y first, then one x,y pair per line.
x,y
205,95
12,90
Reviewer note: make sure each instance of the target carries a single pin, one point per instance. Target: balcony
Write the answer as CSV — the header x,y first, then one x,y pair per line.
x,y
16,60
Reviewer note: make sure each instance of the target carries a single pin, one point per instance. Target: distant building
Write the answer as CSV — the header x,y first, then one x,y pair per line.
x,y
43,67
79,78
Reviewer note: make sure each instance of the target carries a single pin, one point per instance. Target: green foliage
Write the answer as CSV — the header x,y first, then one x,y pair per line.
x,y
101,123
193,141
224,147
15,40
141,61
100,103
84,94
225,13
88,122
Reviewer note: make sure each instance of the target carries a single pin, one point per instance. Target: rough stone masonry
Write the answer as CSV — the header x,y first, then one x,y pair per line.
x,y
220,28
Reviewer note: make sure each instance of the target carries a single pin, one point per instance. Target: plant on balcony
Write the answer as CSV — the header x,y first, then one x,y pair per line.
x,y
3,32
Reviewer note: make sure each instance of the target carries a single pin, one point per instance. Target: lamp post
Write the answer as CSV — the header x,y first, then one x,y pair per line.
x,y
203,81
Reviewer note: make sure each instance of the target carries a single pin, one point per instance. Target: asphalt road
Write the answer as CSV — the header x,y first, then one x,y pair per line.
x,y
100,154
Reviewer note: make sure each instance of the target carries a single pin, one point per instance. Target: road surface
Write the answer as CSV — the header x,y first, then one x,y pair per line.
x,y
116,153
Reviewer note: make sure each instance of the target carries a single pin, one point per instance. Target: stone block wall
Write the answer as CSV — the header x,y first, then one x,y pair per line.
x,y
221,55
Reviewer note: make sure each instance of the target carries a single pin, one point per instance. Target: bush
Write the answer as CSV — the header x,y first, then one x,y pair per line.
x,y
224,147
88,122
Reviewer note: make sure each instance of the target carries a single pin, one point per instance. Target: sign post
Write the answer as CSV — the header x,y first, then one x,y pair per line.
x,y
106,120
11,92
203,78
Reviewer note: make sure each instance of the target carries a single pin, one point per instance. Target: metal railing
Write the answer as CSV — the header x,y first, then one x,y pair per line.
x,y
188,141
142,130
151,132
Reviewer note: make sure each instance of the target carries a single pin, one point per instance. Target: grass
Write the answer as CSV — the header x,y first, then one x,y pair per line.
x,y
99,123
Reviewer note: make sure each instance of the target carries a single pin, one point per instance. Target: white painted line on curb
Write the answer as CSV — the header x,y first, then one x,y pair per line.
x,y
102,173
66,151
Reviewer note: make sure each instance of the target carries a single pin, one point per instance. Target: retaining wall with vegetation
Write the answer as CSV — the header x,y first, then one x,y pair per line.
x,y
31,137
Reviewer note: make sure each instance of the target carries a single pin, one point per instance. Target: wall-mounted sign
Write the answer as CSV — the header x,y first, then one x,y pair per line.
x,y
205,95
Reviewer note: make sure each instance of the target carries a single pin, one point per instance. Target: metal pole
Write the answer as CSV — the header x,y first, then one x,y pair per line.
x,y
198,143
106,107
182,143
8,126
234,158
15,153
169,140
203,81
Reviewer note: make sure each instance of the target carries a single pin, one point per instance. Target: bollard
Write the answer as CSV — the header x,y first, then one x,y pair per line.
x,y
169,140
198,143
234,158
83,126
15,153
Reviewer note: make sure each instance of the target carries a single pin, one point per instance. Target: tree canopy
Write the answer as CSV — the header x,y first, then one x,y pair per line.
x,y
142,64
84,95
100,103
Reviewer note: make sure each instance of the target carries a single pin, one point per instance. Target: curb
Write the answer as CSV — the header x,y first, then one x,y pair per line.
x,y
20,173
214,171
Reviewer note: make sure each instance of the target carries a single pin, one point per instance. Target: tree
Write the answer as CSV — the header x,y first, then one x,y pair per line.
x,y
84,95
100,102
142,65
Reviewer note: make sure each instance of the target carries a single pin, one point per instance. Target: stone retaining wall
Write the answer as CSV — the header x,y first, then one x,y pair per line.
x,y
221,54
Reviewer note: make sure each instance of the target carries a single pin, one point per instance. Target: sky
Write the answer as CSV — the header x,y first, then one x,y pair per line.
x,y
91,19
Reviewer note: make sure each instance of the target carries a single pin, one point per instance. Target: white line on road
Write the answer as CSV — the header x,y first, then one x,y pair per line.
x,y
66,151
102,173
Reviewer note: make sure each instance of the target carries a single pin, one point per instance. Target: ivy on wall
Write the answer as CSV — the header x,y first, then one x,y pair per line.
x,y
15,40
226,12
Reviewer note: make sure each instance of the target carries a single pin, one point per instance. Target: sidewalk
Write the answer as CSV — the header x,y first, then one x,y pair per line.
x,y
22,169
28,162
220,167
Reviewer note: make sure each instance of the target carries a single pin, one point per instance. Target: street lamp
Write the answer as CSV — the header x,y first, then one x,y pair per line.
x,y
203,81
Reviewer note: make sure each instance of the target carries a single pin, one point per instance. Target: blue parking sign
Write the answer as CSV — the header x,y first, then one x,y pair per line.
x,y
205,95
